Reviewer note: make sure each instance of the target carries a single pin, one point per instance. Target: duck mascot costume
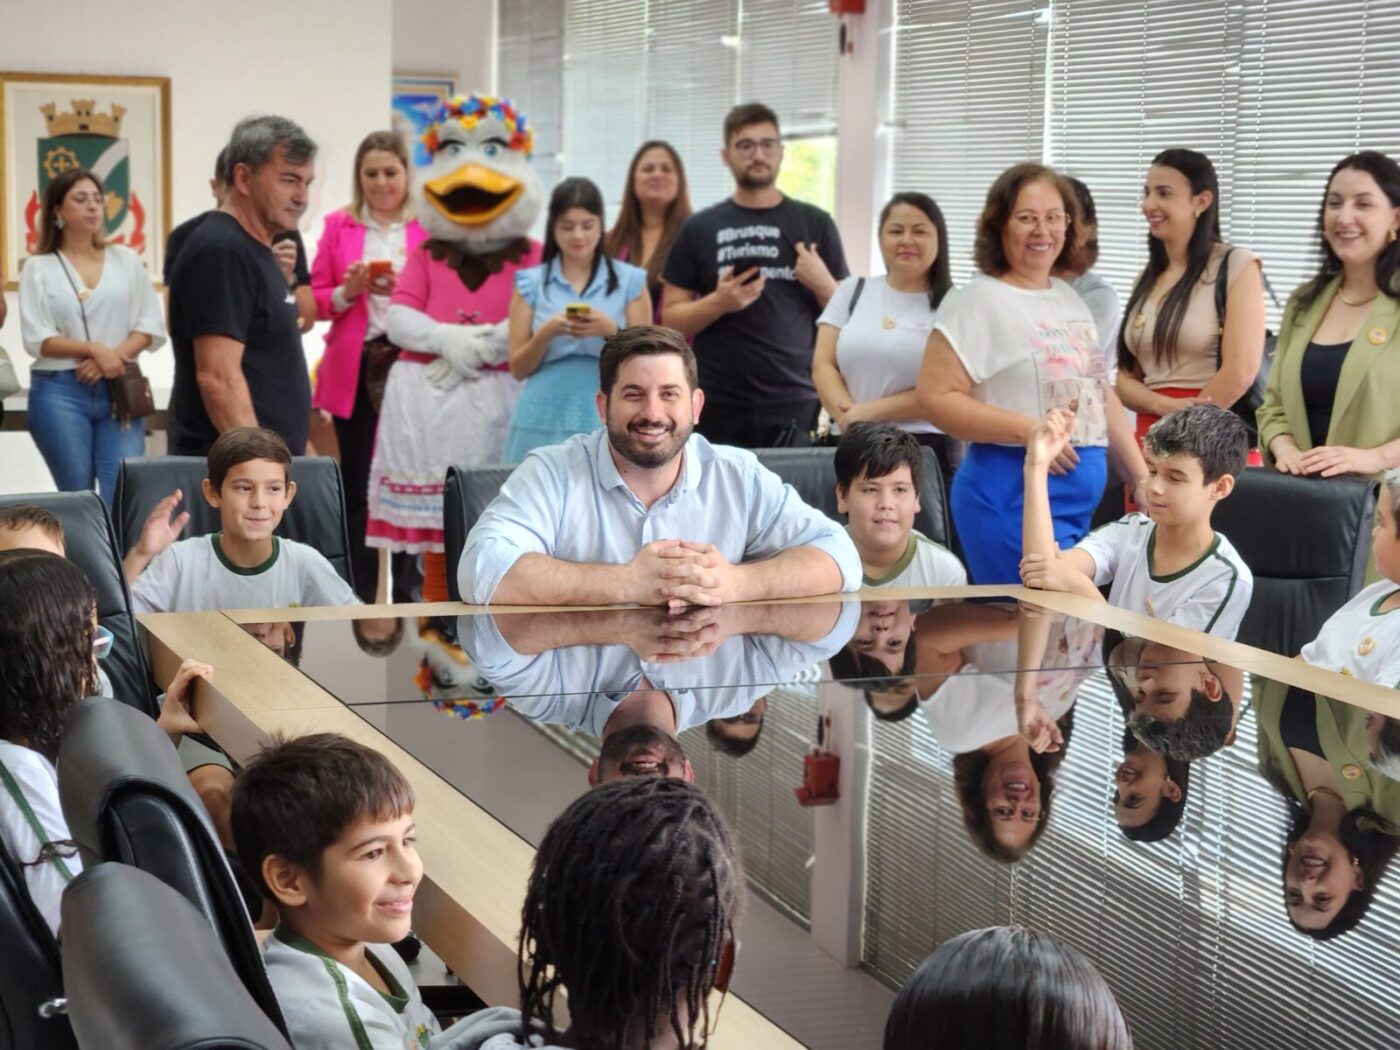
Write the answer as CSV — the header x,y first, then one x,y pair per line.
x,y
449,395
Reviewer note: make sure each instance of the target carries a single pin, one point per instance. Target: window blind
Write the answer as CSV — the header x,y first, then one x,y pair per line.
x,y
1318,82
968,102
530,55
1131,78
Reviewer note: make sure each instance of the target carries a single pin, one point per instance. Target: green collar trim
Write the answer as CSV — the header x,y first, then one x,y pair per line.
x,y
897,568
1152,557
396,997
238,570
1376,608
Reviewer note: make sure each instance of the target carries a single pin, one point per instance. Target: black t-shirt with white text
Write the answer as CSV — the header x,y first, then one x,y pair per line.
x,y
762,354
225,282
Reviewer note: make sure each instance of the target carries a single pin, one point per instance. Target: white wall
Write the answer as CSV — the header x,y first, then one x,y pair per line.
x,y
447,36
325,63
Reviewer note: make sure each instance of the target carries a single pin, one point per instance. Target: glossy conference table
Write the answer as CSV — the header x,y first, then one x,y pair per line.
x,y
845,899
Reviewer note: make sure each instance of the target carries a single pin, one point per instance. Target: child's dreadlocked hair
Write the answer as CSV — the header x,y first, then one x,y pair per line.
x,y
631,907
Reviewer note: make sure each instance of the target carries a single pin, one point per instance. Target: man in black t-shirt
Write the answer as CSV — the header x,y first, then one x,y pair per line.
x,y
233,317
747,278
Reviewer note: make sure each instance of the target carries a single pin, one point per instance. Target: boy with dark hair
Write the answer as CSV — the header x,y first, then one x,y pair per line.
x,y
23,525
877,488
244,565
1168,563
324,828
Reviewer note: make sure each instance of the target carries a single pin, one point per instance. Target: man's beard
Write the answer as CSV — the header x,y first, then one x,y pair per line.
x,y
747,181
664,747
648,458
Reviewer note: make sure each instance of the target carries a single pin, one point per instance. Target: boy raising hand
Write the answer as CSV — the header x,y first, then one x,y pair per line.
x,y
1168,563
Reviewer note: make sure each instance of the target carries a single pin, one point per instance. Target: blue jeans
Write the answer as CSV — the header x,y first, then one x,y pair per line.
x,y
80,441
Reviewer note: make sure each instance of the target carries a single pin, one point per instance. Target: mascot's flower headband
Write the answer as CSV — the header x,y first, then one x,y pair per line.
x,y
469,110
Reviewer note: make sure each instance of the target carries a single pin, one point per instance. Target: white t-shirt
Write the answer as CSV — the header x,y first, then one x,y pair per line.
x,y
1030,350
1360,641
30,818
194,576
123,302
1211,595
876,361
328,1006
923,564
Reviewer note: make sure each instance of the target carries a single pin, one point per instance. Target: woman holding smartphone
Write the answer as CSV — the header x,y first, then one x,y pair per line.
x,y
362,249
560,314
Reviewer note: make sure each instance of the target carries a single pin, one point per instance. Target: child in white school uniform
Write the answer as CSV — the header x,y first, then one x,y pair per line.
x,y
1168,563
244,565
877,488
50,644
324,828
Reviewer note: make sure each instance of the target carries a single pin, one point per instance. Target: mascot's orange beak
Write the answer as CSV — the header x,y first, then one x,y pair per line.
x,y
473,195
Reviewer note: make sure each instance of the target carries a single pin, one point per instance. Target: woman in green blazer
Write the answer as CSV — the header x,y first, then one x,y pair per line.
x,y
1344,815
1331,406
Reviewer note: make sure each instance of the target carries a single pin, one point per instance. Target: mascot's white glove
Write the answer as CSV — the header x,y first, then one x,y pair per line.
x,y
462,350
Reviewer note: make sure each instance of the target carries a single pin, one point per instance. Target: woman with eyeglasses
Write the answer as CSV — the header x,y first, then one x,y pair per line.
x,y
50,647
1013,342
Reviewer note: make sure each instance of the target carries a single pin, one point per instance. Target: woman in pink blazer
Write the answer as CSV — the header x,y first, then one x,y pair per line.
x,y
362,250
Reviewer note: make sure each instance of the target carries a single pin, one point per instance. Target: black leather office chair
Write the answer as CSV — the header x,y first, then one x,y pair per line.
x,y
143,971
92,546
1307,541
29,968
811,471
126,798
316,516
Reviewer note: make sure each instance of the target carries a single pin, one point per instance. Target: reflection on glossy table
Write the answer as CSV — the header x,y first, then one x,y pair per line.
x,y
1190,932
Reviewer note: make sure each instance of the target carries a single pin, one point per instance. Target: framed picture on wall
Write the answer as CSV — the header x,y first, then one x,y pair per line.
x,y
416,98
116,127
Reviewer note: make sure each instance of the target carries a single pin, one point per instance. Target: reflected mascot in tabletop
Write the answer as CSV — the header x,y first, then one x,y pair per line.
x,y
450,394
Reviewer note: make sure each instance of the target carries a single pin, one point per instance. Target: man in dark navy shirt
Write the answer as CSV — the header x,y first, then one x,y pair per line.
x,y
233,315
747,279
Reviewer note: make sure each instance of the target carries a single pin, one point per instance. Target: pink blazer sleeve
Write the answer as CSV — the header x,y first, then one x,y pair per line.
x,y
327,270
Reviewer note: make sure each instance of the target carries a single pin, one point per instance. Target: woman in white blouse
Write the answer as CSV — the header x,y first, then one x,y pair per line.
x,y
872,334
86,309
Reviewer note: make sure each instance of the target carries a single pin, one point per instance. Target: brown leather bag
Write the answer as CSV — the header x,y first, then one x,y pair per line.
x,y
379,357
130,392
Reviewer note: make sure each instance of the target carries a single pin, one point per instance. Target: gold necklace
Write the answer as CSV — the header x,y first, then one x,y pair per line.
x,y
1355,302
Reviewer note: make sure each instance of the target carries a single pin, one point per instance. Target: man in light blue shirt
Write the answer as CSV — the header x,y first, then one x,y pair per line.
x,y
645,511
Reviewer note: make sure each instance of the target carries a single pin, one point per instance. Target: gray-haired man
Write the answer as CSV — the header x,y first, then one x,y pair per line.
x,y
233,320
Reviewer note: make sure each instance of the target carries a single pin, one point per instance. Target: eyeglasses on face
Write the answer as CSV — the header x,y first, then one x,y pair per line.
x,y
746,147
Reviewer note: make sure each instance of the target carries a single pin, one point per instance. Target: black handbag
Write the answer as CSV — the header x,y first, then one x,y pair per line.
x,y
130,392
1253,398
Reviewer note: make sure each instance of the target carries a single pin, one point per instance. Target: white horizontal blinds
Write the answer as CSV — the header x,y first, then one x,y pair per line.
x,y
968,102
530,56
788,61
604,63
1320,82
1131,78
1190,933
754,791
690,86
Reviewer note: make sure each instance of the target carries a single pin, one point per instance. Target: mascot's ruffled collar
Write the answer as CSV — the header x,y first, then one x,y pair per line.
x,y
475,270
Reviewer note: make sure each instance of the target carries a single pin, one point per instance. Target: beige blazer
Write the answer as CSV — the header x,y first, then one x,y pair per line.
x,y
1366,410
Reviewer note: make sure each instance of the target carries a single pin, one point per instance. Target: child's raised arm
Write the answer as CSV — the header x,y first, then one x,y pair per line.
x,y
1043,565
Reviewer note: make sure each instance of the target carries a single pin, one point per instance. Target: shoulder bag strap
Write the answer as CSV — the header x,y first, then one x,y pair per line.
x,y
82,307
855,295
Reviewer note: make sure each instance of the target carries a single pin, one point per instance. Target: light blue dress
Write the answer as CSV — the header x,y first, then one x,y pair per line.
x,y
558,400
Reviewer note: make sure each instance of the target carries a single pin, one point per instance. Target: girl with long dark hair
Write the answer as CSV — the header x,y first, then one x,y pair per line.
x,y
1174,348
560,314
871,335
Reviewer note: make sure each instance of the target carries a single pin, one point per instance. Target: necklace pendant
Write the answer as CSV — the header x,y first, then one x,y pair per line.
x,y
887,323
1367,644
84,295
1139,320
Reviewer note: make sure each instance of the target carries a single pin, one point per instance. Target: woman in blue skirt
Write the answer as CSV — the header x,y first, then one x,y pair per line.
x,y
560,314
1009,346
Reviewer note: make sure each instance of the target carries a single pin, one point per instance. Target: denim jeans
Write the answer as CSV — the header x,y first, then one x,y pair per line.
x,y
80,441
